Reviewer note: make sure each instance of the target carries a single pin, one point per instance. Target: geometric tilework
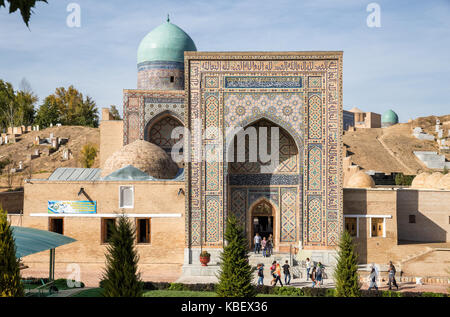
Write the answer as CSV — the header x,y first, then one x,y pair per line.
x,y
315,219
284,109
288,153
212,218
160,132
315,116
239,204
315,167
315,82
288,219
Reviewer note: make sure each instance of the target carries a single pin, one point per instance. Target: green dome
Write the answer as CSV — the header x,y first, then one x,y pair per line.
x,y
389,117
165,43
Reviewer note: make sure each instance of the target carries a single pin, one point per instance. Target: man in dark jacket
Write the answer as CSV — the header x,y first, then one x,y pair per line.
x,y
287,273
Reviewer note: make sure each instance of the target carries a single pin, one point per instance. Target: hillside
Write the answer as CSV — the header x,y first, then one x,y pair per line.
x,y
43,166
391,149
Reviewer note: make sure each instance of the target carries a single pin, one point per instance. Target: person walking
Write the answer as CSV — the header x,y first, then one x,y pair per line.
x,y
272,272
277,275
260,270
391,272
257,241
264,247
313,277
319,272
308,268
287,273
373,276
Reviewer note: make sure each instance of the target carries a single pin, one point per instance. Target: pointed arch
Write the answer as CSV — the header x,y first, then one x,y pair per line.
x,y
159,129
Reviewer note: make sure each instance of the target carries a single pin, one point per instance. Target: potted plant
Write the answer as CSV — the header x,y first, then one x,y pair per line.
x,y
204,258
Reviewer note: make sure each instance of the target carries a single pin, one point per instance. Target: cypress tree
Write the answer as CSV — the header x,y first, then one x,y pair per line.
x,y
235,274
120,278
346,273
10,284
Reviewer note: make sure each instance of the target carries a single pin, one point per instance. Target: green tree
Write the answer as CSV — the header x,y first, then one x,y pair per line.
x,y
68,107
25,7
120,278
88,155
403,180
346,273
7,109
114,113
10,284
236,274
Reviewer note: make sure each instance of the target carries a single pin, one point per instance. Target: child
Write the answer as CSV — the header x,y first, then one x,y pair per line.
x,y
260,270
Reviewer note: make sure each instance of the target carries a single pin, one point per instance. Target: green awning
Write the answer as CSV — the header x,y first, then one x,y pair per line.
x,y
30,240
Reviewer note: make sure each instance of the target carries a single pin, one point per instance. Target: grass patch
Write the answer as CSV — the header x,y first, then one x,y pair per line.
x,y
93,292
169,293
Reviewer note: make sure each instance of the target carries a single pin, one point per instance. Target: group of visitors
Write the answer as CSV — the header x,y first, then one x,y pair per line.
x,y
264,245
373,277
275,271
315,274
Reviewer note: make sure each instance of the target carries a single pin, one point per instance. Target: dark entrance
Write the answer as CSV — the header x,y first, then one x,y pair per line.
x,y
262,220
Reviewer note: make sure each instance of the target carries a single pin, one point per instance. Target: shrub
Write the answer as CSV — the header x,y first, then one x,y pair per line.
x,y
121,278
10,284
430,294
346,273
177,287
403,180
236,274
391,294
88,155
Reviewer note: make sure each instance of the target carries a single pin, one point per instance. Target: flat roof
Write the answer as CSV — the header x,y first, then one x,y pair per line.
x,y
75,174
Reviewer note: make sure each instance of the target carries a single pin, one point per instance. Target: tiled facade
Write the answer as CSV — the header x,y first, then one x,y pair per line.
x,y
299,92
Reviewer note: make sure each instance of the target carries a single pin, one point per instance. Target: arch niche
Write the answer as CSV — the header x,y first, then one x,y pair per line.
x,y
159,131
274,194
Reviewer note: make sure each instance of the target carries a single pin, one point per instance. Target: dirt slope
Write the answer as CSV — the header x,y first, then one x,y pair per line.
x,y
44,165
391,149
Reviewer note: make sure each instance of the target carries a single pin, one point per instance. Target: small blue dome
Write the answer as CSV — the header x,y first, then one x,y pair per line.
x,y
389,117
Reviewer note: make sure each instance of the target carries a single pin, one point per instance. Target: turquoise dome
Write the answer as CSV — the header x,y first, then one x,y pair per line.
x,y
165,43
389,117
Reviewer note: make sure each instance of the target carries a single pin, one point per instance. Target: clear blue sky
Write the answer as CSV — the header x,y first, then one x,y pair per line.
x,y
403,65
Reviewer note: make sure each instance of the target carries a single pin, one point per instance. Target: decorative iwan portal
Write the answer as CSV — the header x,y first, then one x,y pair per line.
x,y
301,93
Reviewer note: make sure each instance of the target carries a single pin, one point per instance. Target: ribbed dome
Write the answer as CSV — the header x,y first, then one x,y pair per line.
x,y
146,156
166,43
360,180
420,180
389,117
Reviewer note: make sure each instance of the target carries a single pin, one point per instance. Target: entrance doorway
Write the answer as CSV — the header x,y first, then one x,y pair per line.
x,y
262,221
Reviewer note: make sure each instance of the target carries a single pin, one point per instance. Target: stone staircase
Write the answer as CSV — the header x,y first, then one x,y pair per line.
x,y
432,159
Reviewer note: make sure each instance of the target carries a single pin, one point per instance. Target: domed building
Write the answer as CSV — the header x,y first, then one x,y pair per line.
x,y
389,118
160,58
145,156
360,180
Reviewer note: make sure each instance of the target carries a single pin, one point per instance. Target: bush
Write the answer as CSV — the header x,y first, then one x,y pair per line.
x,y
121,277
403,180
235,274
346,272
391,294
430,294
10,283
